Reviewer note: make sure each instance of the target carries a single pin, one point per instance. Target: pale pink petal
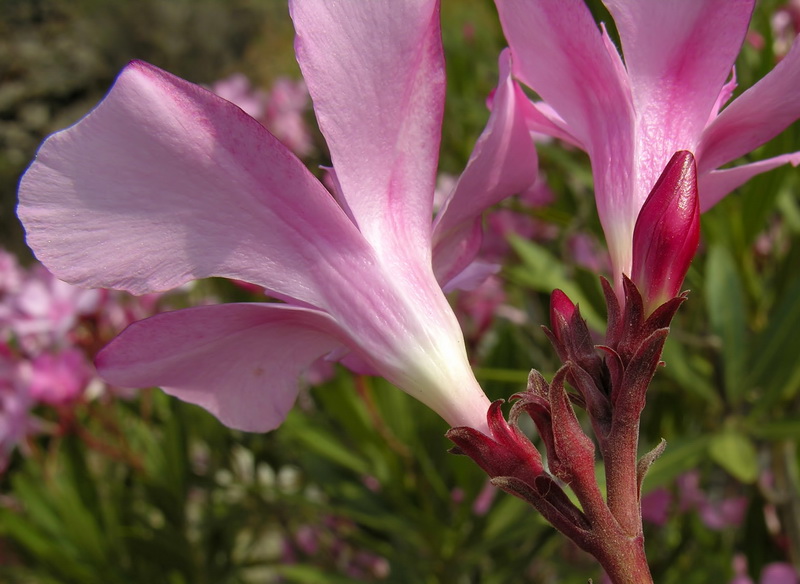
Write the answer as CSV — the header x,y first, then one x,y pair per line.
x,y
715,185
562,55
754,117
677,58
473,276
559,52
539,194
542,119
621,72
725,94
779,573
375,72
164,182
503,163
11,274
241,362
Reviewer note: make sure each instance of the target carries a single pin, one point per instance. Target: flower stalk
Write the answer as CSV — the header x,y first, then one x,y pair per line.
x,y
612,391
610,382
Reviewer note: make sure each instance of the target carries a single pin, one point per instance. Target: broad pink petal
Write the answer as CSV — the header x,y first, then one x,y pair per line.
x,y
375,72
502,164
164,182
241,362
754,117
678,58
715,185
560,53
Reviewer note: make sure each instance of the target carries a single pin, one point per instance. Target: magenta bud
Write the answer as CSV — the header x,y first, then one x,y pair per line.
x,y
667,232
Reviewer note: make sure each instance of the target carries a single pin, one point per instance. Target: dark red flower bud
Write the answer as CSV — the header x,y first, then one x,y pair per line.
x,y
667,232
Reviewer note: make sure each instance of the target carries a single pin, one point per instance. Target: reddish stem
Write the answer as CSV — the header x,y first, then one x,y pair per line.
x,y
623,558
620,458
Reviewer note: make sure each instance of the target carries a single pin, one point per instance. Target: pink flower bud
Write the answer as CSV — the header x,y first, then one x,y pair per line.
x,y
667,232
560,306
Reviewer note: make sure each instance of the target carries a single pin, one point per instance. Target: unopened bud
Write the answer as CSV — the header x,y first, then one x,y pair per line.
x,y
561,311
667,232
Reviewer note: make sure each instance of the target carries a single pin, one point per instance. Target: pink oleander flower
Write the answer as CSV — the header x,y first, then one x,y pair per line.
x,y
772,573
165,182
16,420
58,378
284,116
236,88
715,513
656,505
785,24
45,309
281,110
11,274
632,116
779,573
588,252
483,502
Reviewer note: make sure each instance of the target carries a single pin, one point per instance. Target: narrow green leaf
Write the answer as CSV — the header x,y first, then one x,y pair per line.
x,y
727,311
542,271
776,430
518,376
680,366
775,368
505,513
297,574
736,453
679,457
324,445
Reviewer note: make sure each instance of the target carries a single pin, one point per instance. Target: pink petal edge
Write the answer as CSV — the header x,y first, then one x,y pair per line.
x,y
164,182
241,362
503,163
380,111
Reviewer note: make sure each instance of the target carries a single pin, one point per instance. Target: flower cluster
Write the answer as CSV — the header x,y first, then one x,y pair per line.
x,y
282,110
49,333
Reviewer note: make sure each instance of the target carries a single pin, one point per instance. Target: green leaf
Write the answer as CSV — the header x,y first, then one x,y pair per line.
x,y
505,514
517,376
736,453
775,368
679,457
727,311
542,271
297,574
777,430
687,371
324,444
